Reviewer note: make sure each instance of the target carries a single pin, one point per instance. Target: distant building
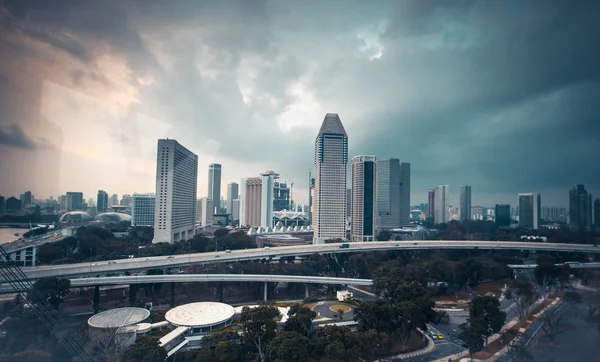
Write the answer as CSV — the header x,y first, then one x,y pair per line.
x,y
331,160
580,208
388,189
529,210
114,200
502,214
465,203
26,199
76,201
176,185
143,209
235,212
431,205
102,201
206,211
349,203
441,204
554,214
597,213
233,193
13,205
364,205
311,191
214,184
2,205
267,192
404,193
281,196
125,200
250,201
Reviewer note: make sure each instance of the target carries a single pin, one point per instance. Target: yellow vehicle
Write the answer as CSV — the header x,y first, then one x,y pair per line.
x,y
440,336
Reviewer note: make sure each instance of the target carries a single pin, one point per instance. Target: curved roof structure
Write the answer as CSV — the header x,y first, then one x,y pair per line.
x,y
201,314
75,216
112,217
114,318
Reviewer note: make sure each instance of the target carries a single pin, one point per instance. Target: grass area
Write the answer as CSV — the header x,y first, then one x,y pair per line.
x,y
284,304
336,307
494,287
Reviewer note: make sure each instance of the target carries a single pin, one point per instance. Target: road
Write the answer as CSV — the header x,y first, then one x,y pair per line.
x,y
572,265
94,268
182,278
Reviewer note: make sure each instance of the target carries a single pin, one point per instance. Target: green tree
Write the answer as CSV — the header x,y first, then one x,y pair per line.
x,y
289,347
472,338
572,298
145,349
384,235
52,290
228,352
206,355
300,320
524,294
219,233
485,316
258,325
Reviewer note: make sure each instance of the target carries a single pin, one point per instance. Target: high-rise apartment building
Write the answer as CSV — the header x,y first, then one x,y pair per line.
x,y
530,207
465,203
143,209
235,212
102,201
431,205
441,204
267,192
363,198
404,193
233,192
387,193
331,159
597,213
76,202
250,201
554,214
176,184
114,200
580,208
214,185
26,199
502,214
206,211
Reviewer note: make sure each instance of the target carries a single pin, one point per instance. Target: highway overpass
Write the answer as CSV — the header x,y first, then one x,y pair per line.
x,y
571,264
188,278
117,266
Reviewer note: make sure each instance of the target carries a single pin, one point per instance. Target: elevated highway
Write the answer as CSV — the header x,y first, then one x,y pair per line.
x,y
116,266
186,278
570,264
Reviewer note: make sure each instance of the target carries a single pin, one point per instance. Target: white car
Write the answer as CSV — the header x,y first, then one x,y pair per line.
x,y
267,248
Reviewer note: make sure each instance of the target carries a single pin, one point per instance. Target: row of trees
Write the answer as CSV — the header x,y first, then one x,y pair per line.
x,y
485,318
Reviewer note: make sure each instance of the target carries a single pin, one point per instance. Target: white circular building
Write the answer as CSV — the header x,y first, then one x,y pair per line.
x,y
201,317
119,317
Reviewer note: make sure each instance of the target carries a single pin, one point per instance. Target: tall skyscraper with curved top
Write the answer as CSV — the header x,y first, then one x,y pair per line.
x,y
331,162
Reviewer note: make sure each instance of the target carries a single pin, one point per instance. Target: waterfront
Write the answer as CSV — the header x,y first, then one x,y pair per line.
x,y
8,234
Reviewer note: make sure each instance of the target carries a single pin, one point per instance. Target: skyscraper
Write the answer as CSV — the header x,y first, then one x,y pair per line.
x,y
2,205
206,211
441,204
580,208
387,193
530,207
404,193
232,194
363,198
502,214
281,196
266,204
125,200
465,203
431,205
102,201
142,209
76,201
114,200
214,184
597,214
331,159
250,201
176,183
26,199
235,212
311,197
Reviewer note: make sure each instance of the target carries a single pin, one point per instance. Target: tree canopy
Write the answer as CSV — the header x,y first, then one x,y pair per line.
x,y
144,349
258,325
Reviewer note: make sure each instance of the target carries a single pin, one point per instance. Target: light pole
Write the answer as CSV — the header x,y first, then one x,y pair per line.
x,y
189,251
90,259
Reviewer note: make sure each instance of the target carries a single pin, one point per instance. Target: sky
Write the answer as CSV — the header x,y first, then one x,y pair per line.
x,y
499,95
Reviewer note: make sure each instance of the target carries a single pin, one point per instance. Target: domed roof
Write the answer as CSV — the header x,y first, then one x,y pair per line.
x,y
75,216
113,217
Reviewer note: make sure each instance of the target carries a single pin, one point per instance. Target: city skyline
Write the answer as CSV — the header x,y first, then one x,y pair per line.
x,y
108,97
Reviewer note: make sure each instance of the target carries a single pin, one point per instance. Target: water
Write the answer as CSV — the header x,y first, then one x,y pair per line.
x,y
8,234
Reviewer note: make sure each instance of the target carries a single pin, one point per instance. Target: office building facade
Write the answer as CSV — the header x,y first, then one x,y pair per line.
x,y
580,208
404,193
331,159
267,193
114,200
502,213
364,205
214,185
176,184
26,199
431,205
250,201
142,209
235,212
281,196
441,204
206,211
233,193
530,206
465,203
76,201
102,201
388,193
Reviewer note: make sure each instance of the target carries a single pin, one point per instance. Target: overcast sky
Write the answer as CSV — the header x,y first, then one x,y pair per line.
x,y
500,95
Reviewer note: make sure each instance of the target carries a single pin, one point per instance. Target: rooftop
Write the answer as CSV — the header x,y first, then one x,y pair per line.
x,y
332,124
118,317
199,314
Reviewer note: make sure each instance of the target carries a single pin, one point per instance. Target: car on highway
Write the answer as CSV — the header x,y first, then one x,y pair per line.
x,y
345,246
227,251
170,257
217,256
111,262
440,336
267,248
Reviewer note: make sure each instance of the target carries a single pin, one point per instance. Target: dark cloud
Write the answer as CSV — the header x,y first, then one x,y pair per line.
x,y
14,136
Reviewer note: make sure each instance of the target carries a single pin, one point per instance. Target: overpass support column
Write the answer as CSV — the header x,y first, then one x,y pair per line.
x,y
306,292
172,294
266,290
220,292
96,302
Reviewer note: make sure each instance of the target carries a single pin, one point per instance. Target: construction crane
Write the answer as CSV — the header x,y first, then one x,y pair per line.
x,y
14,276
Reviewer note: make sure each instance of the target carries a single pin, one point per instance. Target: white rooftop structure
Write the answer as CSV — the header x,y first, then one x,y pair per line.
x,y
114,318
200,315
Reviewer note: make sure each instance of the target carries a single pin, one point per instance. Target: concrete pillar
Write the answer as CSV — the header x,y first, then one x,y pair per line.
x,y
266,289
306,294
96,302
172,294
220,292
